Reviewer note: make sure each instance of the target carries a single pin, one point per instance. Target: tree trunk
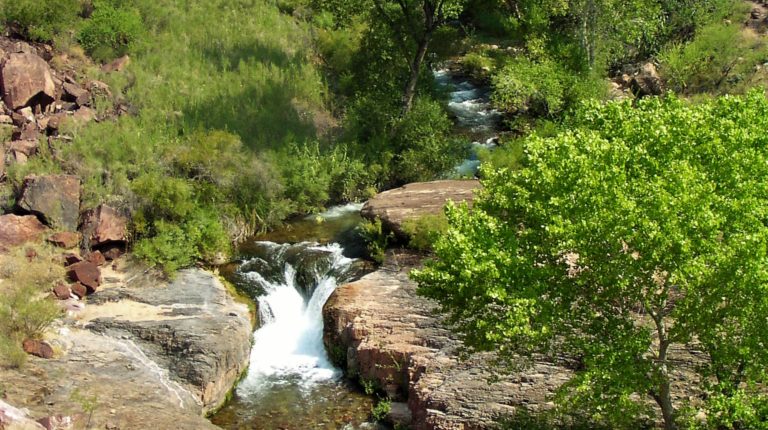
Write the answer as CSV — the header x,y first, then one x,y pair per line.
x,y
663,396
418,60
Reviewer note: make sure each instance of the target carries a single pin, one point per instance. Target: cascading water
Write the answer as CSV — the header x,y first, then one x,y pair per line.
x,y
291,383
288,347
475,116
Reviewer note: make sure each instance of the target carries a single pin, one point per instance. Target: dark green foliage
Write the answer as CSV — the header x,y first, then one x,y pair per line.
x,y
111,31
424,231
40,20
423,144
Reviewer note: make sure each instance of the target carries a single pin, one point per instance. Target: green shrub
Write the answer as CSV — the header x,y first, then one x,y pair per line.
x,y
111,31
425,230
11,353
163,196
423,143
525,86
40,20
380,411
376,239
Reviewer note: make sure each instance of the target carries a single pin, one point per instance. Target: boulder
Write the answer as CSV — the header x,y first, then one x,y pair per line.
x,y
79,290
97,258
647,81
76,94
26,147
54,198
65,239
62,291
38,348
16,230
26,81
415,200
58,422
85,273
104,225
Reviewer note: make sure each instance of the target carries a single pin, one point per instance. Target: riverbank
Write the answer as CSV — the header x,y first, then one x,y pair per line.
x,y
139,353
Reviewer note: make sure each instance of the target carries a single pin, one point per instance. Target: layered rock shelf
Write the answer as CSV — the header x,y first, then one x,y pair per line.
x,y
380,331
415,200
143,353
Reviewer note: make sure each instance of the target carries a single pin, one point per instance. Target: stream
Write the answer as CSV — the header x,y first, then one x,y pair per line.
x,y
291,383
474,116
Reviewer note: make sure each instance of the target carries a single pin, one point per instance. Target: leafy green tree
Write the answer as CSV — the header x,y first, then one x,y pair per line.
x,y
638,231
414,23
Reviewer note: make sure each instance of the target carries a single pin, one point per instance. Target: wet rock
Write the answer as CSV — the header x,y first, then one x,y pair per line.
x,y
104,225
65,239
38,348
16,230
62,291
647,81
85,273
412,201
54,198
26,81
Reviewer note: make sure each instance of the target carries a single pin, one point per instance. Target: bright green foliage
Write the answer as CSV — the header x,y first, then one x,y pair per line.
x,y
40,20
381,410
111,31
637,229
524,85
744,408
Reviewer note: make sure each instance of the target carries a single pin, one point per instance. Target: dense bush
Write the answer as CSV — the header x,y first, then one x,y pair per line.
x,y
111,31
424,146
40,20
424,231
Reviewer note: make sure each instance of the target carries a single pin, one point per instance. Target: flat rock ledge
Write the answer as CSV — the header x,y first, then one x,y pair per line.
x,y
415,200
143,352
381,331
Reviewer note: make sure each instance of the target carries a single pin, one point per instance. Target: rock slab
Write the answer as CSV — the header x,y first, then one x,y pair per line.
x,y
154,354
53,198
415,200
380,330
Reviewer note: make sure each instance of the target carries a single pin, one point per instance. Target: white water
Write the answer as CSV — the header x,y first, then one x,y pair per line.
x,y
337,211
288,347
474,112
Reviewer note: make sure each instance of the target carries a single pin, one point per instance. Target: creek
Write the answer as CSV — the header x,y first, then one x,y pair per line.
x,y
475,118
291,383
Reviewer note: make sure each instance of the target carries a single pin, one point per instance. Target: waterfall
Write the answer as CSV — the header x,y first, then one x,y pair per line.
x,y
295,281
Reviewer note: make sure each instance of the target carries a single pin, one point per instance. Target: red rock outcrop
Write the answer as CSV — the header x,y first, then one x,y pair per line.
x,y
54,198
16,230
104,225
65,239
26,80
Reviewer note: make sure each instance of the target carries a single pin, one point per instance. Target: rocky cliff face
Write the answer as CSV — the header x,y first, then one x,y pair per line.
x,y
145,353
381,331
